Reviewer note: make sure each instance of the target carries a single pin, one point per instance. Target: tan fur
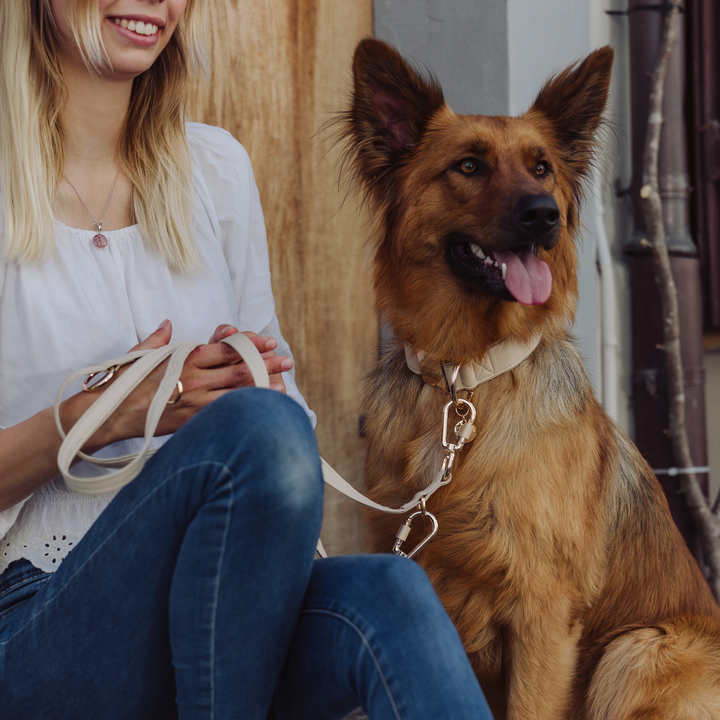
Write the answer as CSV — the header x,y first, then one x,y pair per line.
x,y
670,671
556,556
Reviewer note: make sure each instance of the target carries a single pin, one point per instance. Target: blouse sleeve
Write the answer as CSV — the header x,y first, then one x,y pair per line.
x,y
7,517
225,182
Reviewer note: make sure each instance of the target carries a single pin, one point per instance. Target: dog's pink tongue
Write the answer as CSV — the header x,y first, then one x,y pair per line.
x,y
528,279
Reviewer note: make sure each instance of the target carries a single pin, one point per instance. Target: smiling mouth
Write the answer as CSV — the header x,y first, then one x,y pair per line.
x,y
137,26
516,274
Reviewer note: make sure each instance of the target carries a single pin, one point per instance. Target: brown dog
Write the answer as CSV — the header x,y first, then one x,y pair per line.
x,y
556,556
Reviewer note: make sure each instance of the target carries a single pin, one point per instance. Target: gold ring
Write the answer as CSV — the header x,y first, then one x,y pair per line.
x,y
172,401
109,375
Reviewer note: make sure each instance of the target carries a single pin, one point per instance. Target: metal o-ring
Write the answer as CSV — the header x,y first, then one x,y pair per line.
x,y
172,401
109,375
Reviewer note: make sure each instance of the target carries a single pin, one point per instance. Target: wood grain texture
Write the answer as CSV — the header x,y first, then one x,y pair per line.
x,y
278,70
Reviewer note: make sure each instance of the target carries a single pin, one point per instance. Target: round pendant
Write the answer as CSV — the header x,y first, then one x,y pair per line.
x,y
99,241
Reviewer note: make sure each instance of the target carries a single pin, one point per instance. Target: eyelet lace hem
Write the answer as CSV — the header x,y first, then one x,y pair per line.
x,y
50,525
44,552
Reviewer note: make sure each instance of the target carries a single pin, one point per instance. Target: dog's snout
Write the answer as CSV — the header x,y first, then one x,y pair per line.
x,y
537,214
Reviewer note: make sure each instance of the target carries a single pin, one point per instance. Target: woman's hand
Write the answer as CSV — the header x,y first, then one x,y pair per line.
x,y
266,346
28,451
210,371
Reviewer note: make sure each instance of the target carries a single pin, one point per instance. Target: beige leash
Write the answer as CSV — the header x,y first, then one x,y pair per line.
x,y
143,362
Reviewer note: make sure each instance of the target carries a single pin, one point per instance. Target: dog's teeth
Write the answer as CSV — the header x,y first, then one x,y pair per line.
x,y
504,270
477,250
488,261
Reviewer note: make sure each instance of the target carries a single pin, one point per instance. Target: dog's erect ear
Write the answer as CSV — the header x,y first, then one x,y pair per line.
x,y
391,106
573,101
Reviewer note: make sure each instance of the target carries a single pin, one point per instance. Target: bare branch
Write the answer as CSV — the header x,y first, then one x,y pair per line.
x,y
705,520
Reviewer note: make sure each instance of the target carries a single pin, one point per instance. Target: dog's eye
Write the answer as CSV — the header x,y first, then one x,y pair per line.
x,y
468,166
541,168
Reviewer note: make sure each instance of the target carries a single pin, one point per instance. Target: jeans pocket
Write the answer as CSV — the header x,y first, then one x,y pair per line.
x,y
4,615
19,585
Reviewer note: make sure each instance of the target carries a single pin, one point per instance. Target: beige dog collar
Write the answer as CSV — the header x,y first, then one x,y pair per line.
x,y
501,357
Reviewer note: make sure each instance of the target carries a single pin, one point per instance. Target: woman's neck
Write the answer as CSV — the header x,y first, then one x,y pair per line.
x,y
92,118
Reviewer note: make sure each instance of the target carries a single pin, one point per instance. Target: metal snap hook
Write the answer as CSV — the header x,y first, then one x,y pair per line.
x,y
404,531
469,407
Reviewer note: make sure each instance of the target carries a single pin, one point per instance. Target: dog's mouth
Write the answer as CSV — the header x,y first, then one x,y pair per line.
x,y
516,274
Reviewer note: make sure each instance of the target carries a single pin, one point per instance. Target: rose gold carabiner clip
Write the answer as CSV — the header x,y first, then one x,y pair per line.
x,y
404,531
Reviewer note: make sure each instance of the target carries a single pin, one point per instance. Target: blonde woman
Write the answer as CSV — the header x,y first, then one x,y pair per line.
x,y
192,593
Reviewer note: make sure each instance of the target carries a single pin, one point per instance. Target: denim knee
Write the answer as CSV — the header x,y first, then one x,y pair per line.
x,y
402,584
269,435
398,587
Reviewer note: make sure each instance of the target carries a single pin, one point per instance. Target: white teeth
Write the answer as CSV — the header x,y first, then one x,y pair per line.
x,y
140,27
488,261
477,250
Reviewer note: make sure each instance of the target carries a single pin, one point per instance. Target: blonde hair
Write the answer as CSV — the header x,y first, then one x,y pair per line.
x,y
152,148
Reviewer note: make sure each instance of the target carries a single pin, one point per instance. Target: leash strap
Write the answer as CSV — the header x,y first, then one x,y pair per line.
x,y
333,479
129,466
144,362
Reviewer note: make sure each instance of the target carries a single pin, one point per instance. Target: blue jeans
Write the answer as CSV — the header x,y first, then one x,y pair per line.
x,y
195,595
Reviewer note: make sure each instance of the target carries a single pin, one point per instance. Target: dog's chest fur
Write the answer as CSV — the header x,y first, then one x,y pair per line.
x,y
504,518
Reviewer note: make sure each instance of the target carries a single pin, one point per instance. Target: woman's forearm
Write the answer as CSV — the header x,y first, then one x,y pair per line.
x,y
28,450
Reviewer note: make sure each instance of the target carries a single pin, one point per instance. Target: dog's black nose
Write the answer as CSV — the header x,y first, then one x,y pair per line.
x,y
537,214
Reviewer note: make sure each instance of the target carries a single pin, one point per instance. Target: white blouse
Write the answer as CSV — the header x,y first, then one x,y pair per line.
x,y
87,304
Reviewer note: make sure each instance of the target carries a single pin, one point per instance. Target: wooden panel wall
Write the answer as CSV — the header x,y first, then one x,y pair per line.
x,y
279,69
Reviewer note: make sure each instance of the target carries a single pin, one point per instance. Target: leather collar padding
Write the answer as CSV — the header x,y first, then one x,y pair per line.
x,y
501,357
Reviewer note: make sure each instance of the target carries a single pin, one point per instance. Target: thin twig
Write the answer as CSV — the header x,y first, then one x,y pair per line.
x,y
706,522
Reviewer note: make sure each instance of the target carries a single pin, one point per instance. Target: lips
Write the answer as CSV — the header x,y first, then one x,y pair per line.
x,y
516,274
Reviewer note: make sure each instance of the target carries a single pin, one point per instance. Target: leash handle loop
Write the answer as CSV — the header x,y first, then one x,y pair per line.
x,y
143,363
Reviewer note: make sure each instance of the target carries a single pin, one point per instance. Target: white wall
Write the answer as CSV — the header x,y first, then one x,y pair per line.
x,y
543,37
616,174
463,42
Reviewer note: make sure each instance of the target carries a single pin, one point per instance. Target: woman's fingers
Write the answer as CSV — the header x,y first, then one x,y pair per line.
x,y
226,366
222,331
238,374
210,371
158,339
219,353
277,383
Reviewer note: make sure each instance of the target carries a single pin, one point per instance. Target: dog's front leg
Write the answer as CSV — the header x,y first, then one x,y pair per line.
x,y
542,657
